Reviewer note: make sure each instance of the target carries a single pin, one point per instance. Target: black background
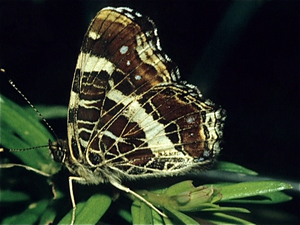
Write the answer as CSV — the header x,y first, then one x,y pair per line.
x,y
254,76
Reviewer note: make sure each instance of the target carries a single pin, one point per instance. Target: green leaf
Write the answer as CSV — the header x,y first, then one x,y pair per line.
x,y
125,215
226,209
135,211
177,217
20,130
145,216
268,198
30,216
13,196
89,212
276,197
141,213
179,188
157,219
232,167
221,218
247,189
48,216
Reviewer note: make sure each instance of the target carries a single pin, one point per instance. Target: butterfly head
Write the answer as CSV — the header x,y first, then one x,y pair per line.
x,y
58,150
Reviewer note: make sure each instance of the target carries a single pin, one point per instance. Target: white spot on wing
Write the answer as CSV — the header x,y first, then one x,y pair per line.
x,y
137,77
190,119
124,49
93,35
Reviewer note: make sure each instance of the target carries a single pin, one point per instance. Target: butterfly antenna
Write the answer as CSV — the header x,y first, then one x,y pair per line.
x,y
22,149
29,103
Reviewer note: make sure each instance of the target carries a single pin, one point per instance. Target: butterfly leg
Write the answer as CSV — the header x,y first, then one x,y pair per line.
x,y
127,190
71,179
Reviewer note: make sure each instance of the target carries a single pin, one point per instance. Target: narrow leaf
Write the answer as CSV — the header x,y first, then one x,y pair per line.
x,y
177,217
30,216
13,196
246,189
232,167
89,212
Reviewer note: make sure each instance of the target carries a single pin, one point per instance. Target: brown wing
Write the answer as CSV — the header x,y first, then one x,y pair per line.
x,y
127,110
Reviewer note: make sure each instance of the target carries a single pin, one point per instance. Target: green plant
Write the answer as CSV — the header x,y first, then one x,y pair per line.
x,y
182,202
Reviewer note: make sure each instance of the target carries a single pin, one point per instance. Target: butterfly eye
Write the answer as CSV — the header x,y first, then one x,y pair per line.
x,y
58,156
57,151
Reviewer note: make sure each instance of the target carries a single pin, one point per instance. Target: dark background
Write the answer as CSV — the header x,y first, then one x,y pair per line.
x,y
242,55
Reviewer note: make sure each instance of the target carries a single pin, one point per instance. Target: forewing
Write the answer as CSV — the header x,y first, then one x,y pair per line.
x,y
127,110
119,53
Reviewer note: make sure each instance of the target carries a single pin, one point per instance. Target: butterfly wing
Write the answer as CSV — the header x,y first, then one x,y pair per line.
x,y
128,110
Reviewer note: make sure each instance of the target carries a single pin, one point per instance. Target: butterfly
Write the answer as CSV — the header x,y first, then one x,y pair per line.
x,y
130,116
